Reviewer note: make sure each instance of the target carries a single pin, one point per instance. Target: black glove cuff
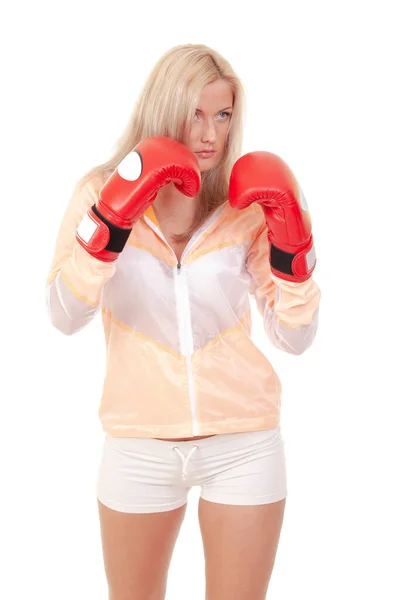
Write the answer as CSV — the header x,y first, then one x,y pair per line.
x,y
281,261
118,235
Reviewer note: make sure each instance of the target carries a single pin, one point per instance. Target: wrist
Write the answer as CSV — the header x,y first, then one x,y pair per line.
x,y
293,266
100,237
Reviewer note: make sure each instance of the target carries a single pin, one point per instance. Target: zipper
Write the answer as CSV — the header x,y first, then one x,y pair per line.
x,y
186,343
186,335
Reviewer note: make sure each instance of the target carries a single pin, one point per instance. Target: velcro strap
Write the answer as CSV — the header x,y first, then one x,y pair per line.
x,y
281,261
295,265
118,235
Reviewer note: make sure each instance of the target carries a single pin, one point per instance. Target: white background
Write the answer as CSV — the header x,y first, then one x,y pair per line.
x,y
322,91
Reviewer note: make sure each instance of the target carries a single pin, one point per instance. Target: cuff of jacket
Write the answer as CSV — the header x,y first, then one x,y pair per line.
x,y
295,303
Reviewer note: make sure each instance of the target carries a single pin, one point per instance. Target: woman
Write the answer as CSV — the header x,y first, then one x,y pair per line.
x,y
151,240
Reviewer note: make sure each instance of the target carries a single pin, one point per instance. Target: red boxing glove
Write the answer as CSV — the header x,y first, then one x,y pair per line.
x,y
263,177
132,187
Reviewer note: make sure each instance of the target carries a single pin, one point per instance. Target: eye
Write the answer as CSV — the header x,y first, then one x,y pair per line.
x,y
224,113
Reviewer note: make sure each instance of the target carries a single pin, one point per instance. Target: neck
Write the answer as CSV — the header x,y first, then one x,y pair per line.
x,y
170,202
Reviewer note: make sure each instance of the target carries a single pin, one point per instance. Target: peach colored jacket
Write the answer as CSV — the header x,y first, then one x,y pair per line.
x,y
180,358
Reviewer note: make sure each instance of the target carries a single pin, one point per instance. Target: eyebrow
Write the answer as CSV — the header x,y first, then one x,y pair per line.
x,y
226,108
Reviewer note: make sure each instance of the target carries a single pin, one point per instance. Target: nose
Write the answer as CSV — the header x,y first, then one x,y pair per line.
x,y
208,132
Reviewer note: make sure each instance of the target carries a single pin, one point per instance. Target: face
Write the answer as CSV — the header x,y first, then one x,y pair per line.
x,y
210,124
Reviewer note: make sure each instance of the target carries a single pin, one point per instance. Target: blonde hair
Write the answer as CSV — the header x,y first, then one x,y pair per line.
x,y
166,107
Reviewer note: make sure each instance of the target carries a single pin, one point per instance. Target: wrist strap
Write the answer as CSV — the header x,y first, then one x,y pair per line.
x,y
281,261
118,236
298,266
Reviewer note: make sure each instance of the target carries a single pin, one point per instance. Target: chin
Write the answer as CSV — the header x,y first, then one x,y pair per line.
x,y
207,165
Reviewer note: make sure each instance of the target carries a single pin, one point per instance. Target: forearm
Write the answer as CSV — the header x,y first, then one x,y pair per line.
x,y
74,294
291,323
293,341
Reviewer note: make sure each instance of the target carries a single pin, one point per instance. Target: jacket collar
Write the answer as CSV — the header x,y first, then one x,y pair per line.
x,y
204,230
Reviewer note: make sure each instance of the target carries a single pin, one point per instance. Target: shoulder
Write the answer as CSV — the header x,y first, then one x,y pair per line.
x,y
86,190
248,222
95,182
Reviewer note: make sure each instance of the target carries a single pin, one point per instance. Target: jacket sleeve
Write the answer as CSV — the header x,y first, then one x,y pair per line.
x,y
76,279
289,310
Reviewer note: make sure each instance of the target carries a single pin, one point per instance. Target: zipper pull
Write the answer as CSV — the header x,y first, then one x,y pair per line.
x,y
178,266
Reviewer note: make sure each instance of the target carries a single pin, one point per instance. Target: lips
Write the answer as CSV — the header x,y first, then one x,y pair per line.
x,y
205,153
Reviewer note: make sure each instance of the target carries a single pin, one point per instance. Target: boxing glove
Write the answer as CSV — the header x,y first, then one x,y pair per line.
x,y
265,178
131,188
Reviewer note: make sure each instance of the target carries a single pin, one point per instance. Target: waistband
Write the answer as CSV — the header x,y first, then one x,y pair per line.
x,y
207,445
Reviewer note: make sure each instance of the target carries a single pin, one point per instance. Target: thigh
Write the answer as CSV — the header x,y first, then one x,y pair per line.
x,y
141,506
241,512
245,469
140,475
137,551
240,545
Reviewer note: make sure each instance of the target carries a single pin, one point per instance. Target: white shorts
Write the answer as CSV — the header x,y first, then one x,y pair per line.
x,y
146,475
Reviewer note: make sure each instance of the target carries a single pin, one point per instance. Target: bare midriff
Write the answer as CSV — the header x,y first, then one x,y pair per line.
x,y
199,437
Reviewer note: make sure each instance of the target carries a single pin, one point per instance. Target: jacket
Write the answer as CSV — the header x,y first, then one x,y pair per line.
x,y
180,358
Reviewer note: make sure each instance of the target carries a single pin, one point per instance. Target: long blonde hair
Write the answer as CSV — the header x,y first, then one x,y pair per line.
x,y
166,107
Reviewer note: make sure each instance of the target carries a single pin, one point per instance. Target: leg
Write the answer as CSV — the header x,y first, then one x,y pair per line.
x,y
137,551
142,503
240,544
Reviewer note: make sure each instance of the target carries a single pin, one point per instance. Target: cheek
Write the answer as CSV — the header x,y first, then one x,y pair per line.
x,y
190,139
223,132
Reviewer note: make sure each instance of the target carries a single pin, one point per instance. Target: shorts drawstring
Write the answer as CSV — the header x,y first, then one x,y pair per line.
x,y
185,459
